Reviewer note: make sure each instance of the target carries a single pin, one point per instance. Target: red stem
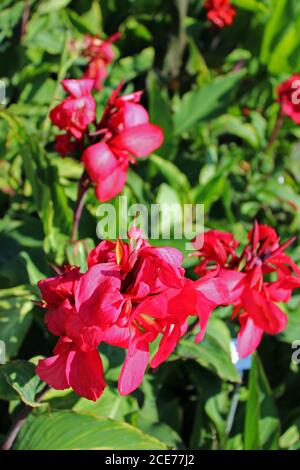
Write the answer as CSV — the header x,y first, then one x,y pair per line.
x,y
83,186
20,421
277,127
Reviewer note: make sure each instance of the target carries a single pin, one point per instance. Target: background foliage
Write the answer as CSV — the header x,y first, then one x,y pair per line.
x,y
213,94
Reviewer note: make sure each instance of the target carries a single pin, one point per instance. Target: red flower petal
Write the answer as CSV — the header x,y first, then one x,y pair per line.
x,y
139,140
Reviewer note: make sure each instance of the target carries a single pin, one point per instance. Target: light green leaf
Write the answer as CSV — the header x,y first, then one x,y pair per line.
x,y
173,175
206,102
15,318
213,352
69,430
21,377
261,429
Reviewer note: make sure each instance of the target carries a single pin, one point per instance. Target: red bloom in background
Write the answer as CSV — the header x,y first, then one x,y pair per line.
x,y
78,110
289,98
127,134
100,54
220,12
255,296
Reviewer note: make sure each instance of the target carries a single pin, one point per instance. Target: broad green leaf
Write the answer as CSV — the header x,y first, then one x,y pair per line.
x,y
206,102
213,352
209,193
15,318
171,173
250,5
67,430
50,5
280,40
261,422
233,125
111,405
21,377
160,114
49,197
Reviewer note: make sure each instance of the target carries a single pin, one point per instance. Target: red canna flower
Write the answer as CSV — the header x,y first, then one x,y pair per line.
x,y
64,144
131,294
78,110
58,298
289,98
219,248
255,296
72,368
157,301
127,134
100,54
220,12
80,308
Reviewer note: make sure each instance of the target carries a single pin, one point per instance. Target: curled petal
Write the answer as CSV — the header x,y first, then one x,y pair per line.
x,y
139,140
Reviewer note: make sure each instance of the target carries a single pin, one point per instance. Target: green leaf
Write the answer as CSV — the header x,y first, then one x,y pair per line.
x,y
213,352
21,377
111,405
49,197
261,429
280,39
209,193
160,114
171,173
206,102
15,318
234,125
50,5
69,430
250,5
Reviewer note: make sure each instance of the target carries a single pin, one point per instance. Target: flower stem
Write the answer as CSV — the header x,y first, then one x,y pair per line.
x,y
83,186
20,421
277,127
64,66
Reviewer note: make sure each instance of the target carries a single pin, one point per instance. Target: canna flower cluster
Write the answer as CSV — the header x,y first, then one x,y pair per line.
x,y
269,276
123,134
220,12
126,135
131,294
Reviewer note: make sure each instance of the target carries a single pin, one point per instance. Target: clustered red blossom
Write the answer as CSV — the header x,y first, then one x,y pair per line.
x,y
126,134
269,276
131,294
134,293
220,12
123,134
